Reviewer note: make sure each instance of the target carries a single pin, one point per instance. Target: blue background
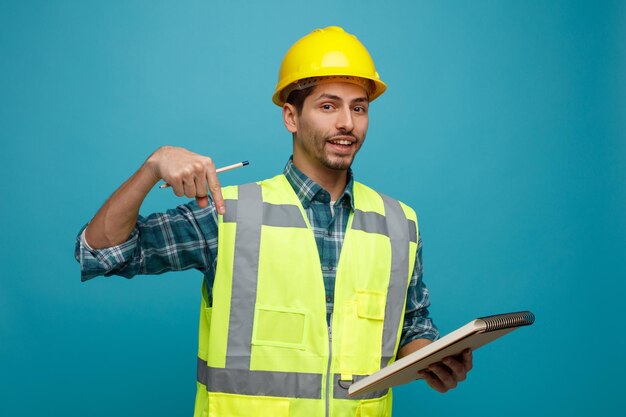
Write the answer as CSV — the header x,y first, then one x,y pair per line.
x,y
504,125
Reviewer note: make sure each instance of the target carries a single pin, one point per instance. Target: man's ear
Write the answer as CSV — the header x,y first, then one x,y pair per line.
x,y
290,117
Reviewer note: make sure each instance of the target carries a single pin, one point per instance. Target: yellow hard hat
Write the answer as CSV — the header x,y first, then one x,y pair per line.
x,y
328,52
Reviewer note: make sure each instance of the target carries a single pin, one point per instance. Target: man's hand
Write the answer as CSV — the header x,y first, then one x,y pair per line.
x,y
188,173
445,375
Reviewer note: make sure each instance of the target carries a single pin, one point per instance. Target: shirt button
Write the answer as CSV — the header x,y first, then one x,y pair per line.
x,y
330,233
330,267
328,298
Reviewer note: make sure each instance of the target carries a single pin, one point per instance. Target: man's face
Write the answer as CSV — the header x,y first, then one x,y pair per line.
x,y
332,126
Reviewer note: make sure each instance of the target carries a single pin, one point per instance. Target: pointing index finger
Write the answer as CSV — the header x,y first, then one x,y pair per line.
x,y
215,189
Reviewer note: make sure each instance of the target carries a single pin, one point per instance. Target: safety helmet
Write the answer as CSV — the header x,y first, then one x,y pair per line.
x,y
328,52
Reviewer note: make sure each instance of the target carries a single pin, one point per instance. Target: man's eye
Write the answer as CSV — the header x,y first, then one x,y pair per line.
x,y
327,107
360,109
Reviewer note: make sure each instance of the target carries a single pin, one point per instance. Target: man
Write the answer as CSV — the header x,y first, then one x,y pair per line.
x,y
312,280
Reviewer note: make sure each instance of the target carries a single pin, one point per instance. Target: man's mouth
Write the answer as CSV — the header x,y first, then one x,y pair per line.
x,y
342,146
341,142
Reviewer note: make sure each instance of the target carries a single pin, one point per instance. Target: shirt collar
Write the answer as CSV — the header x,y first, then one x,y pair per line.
x,y
308,190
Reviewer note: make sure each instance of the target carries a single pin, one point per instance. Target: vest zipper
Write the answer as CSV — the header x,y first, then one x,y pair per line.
x,y
330,356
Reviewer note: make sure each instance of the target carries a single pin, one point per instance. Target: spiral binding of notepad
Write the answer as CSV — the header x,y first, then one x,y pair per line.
x,y
504,321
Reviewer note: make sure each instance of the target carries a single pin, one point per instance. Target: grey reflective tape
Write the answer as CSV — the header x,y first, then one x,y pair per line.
x,y
266,383
283,215
278,215
398,280
231,211
340,391
412,231
245,276
385,360
370,222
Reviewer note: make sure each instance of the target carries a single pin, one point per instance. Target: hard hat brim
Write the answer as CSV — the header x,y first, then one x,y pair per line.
x,y
377,87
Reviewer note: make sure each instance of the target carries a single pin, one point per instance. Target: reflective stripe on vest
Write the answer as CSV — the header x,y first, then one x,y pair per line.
x,y
245,274
277,384
284,215
278,215
399,236
247,382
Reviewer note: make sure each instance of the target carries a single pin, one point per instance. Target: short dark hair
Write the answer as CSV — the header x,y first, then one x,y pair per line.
x,y
296,98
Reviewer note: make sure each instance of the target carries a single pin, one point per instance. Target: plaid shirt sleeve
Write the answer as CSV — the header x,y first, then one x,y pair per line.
x,y
179,239
417,323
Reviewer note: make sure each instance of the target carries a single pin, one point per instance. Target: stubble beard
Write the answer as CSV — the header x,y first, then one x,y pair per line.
x,y
315,145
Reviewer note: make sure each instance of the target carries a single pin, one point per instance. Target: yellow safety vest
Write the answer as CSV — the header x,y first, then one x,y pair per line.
x,y
264,345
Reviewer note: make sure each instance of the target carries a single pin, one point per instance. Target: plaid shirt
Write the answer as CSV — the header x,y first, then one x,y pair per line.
x,y
186,237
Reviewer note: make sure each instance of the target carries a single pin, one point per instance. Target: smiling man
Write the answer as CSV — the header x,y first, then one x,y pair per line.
x,y
312,280
328,130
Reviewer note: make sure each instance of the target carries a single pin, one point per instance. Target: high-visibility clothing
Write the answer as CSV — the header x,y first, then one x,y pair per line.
x,y
265,348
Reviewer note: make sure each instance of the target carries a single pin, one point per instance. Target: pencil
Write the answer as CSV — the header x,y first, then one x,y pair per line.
x,y
222,169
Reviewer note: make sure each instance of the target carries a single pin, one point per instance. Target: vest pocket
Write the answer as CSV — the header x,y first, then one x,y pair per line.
x,y
361,337
234,405
278,326
370,305
374,408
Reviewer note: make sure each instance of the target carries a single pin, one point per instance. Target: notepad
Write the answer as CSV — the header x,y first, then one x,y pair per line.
x,y
473,335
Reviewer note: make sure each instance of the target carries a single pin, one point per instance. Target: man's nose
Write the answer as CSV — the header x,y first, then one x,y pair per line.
x,y
344,120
